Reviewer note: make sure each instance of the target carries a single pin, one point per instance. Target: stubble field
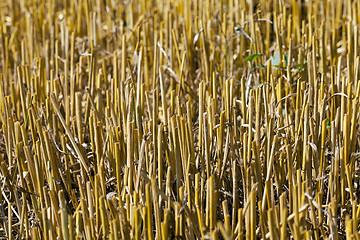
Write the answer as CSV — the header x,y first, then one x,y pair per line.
x,y
179,119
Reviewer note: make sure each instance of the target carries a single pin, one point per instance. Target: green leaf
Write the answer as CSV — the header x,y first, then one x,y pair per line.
x,y
286,60
260,67
252,57
276,59
270,59
301,66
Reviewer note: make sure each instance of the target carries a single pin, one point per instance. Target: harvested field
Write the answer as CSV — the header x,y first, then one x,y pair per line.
x,y
179,119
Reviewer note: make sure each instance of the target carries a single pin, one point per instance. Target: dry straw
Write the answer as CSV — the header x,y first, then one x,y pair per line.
x,y
179,119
